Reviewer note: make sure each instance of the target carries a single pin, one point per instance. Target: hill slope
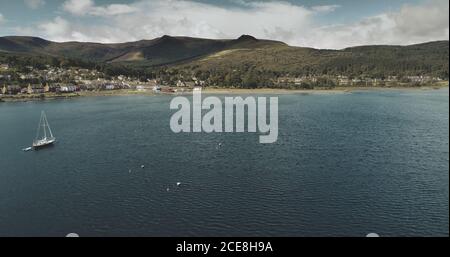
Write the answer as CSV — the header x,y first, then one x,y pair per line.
x,y
383,60
246,54
164,50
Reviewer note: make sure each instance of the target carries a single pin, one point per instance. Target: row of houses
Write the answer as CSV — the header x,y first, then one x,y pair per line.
x,y
60,88
37,89
345,80
11,90
30,89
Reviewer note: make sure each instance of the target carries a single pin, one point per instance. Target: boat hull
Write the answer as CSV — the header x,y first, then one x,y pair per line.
x,y
43,144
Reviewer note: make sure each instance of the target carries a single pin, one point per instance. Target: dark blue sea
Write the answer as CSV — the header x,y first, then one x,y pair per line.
x,y
345,164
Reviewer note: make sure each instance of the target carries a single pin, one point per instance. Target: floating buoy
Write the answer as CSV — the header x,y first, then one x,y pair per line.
x,y
178,184
142,166
72,235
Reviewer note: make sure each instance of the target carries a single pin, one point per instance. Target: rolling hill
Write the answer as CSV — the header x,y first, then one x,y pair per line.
x,y
418,59
222,58
159,51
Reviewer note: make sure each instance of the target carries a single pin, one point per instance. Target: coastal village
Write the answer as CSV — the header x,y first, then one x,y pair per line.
x,y
60,81
70,80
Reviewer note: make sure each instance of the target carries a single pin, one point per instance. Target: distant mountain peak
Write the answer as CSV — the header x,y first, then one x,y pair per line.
x,y
247,38
167,37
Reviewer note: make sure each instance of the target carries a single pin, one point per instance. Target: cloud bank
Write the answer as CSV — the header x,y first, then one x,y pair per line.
x,y
294,24
88,7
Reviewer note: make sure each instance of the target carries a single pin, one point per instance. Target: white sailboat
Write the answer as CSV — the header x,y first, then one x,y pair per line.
x,y
46,138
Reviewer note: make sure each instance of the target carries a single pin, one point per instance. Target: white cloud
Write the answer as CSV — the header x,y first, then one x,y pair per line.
x,y
78,7
411,24
150,19
294,24
58,29
34,4
325,8
88,7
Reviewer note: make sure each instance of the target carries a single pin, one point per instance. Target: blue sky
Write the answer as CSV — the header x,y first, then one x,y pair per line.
x,y
320,23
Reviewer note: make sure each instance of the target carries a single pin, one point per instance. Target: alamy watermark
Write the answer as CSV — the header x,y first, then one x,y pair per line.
x,y
232,119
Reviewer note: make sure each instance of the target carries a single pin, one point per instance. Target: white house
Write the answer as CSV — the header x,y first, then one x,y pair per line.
x,y
140,88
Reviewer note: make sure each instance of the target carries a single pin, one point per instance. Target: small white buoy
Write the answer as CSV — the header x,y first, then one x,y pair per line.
x,y
168,189
129,171
178,184
142,166
373,235
72,235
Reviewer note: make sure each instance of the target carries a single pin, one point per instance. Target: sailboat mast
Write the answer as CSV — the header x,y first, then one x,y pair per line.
x,y
43,124
39,127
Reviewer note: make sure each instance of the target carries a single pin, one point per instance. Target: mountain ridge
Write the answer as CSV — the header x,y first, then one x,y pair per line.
x,y
234,58
165,49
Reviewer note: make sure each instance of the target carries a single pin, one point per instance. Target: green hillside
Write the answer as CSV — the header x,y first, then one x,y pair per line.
x,y
230,62
159,51
430,58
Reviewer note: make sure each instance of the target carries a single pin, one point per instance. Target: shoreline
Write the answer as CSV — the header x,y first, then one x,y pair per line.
x,y
343,89
219,91
336,90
